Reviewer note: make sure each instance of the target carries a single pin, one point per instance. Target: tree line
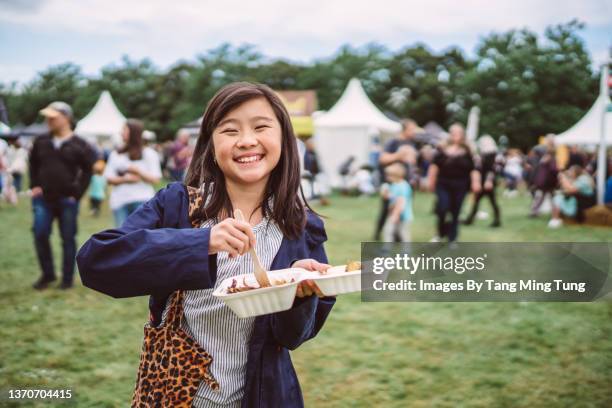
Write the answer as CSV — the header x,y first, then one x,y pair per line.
x,y
526,85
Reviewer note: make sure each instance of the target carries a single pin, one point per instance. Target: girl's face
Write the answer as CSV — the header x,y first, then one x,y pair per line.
x,y
247,142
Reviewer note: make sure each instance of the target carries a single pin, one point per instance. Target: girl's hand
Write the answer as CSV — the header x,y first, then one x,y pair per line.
x,y
233,236
308,288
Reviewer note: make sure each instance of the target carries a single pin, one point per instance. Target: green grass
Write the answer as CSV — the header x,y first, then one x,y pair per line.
x,y
368,354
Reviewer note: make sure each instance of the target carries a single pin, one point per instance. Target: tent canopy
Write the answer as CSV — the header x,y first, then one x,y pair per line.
x,y
355,109
588,129
103,122
349,129
4,129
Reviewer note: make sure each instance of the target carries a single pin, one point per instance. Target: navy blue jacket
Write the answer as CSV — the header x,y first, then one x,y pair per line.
x,y
156,251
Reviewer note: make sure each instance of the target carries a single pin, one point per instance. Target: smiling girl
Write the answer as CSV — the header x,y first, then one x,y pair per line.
x,y
246,158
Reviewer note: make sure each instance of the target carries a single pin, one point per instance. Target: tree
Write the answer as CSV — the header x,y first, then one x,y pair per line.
x,y
59,82
527,88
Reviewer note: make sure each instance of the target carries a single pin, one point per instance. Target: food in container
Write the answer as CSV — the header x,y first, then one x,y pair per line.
x,y
246,298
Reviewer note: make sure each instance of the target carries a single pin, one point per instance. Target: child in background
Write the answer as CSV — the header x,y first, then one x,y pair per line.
x,y
399,193
97,188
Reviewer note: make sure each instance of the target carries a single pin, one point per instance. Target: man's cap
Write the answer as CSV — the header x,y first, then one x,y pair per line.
x,y
57,108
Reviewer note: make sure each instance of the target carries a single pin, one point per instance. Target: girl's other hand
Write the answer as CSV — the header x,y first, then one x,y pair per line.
x,y
233,236
308,288
311,265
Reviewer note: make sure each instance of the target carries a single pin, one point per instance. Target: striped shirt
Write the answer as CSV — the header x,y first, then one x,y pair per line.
x,y
218,330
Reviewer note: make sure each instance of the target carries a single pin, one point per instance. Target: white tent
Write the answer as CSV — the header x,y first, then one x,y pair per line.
x,y
588,129
103,123
348,128
4,128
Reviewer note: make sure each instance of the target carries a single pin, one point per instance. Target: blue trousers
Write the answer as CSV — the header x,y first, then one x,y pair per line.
x,y
450,194
66,211
121,213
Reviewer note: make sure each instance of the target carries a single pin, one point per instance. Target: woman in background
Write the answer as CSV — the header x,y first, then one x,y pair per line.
x,y
132,171
450,176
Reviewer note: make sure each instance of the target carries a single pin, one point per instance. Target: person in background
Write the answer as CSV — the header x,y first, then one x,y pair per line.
x,y
399,193
181,153
426,155
312,171
373,160
361,182
577,193
451,175
17,162
60,171
97,189
400,149
345,170
544,176
513,172
3,149
311,164
608,187
132,171
488,166
576,157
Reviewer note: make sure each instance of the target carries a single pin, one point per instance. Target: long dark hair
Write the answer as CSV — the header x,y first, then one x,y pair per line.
x,y
283,188
133,146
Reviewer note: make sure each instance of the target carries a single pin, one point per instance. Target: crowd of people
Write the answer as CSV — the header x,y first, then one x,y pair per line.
x,y
63,167
453,168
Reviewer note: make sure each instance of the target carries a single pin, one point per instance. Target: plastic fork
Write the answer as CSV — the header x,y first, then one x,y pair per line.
x,y
260,273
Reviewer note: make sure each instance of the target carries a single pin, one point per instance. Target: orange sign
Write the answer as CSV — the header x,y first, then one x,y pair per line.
x,y
299,103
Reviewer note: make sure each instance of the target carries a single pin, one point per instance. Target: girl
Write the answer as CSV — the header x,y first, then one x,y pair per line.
x,y
132,171
245,158
450,176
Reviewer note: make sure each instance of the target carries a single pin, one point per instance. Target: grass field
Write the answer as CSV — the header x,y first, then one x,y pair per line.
x,y
367,355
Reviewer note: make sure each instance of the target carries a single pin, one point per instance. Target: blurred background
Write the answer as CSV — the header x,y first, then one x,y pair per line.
x,y
360,81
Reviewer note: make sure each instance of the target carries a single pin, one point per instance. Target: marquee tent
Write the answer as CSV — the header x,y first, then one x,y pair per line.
x,y
588,129
348,129
103,123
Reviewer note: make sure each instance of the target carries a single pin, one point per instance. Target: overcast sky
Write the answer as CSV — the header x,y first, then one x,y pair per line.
x,y
92,33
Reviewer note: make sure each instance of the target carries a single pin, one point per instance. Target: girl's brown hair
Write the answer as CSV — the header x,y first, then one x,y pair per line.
x,y
134,144
283,189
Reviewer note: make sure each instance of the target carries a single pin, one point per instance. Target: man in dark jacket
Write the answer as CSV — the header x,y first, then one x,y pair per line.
x,y
60,170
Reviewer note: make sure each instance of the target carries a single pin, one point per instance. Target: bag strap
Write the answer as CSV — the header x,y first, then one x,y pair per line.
x,y
175,312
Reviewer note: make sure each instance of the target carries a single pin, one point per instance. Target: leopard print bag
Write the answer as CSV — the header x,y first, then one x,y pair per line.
x,y
172,365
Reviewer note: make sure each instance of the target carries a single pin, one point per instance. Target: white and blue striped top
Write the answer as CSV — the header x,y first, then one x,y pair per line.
x,y
218,330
